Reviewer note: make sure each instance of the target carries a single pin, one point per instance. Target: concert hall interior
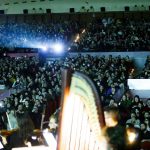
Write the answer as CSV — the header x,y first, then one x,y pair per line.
x,y
75,74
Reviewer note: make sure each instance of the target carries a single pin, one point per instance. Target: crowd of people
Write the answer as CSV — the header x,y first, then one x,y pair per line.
x,y
42,83
109,34
104,34
41,87
145,74
136,113
38,83
30,35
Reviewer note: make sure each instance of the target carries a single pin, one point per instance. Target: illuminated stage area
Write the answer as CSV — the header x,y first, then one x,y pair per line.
x,y
34,35
55,49
47,40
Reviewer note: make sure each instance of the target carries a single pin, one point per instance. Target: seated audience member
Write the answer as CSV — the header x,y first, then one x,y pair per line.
x,y
145,134
147,107
125,102
137,112
12,120
146,115
135,101
147,123
133,120
20,110
112,103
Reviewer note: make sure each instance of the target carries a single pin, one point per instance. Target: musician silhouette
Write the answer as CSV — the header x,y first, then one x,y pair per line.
x,y
114,133
24,131
3,117
53,123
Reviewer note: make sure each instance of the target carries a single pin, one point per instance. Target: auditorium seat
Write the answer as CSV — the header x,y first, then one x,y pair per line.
x,y
145,144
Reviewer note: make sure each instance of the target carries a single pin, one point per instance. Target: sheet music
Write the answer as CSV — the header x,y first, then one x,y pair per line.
x,y
1,145
50,140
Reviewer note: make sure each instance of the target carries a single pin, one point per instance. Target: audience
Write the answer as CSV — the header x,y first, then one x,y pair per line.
x,y
41,85
105,34
110,34
145,74
39,88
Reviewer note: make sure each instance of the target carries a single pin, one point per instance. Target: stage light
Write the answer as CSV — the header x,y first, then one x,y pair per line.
x,y
58,47
131,135
44,48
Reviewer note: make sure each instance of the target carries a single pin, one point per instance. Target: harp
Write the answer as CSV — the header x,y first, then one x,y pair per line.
x,y
81,117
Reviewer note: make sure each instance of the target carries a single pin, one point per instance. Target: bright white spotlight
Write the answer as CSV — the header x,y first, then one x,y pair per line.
x,y
58,47
44,48
25,40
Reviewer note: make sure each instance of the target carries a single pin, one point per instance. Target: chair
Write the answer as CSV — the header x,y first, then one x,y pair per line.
x,y
145,144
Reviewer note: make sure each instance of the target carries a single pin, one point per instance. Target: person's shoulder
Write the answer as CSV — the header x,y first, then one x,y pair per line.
x,y
120,127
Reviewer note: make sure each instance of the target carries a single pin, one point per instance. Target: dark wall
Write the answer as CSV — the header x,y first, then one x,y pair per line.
x,y
81,17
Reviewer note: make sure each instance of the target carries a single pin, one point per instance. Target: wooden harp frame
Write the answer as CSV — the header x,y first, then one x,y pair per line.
x,y
80,87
